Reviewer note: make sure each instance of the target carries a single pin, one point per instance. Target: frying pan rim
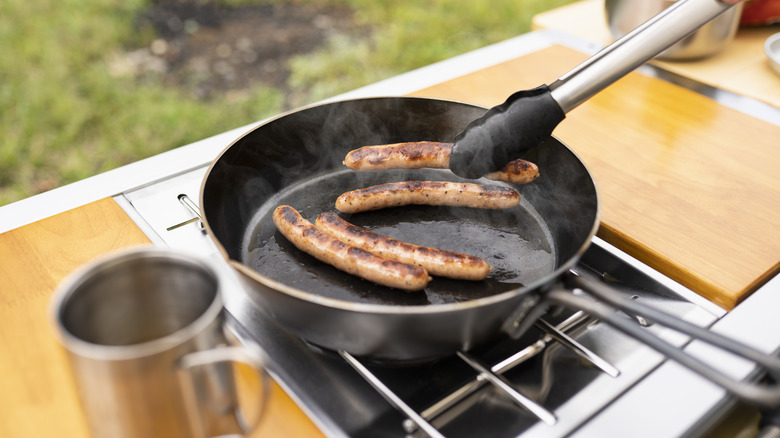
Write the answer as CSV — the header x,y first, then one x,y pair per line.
x,y
374,308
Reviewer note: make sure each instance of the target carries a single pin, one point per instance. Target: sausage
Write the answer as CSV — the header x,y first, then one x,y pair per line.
x,y
411,155
430,154
434,260
516,172
311,240
444,193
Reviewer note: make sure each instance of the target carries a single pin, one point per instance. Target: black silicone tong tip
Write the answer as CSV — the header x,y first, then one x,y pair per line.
x,y
505,132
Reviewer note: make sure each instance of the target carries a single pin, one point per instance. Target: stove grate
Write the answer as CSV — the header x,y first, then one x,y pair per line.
x,y
445,410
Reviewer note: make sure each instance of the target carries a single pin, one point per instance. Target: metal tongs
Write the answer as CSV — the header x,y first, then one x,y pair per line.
x,y
528,117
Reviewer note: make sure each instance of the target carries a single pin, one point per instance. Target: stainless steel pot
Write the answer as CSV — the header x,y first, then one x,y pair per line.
x,y
625,15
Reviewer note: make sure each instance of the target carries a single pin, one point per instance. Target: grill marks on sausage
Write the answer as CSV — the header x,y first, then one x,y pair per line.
x,y
429,154
437,193
348,258
412,155
434,260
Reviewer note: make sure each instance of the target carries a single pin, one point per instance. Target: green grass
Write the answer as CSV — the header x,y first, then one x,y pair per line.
x,y
410,34
64,117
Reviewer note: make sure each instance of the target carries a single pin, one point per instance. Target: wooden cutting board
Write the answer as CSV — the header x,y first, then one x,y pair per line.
x,y
688,186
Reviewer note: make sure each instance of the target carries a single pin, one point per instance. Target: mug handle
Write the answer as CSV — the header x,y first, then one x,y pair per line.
x,y
236,354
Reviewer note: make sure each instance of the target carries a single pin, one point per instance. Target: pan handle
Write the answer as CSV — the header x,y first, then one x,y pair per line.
x,y
611,300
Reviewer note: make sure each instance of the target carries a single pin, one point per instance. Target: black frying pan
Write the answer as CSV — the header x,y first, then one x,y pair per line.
x,y
296,159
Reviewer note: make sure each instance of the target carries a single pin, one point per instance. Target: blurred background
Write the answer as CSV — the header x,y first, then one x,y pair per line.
x,y
90,85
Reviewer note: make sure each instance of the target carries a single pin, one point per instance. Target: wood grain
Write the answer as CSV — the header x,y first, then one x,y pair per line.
x,y
37,394
688,186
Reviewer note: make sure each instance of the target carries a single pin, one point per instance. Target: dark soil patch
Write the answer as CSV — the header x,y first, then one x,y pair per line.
x,y
214,49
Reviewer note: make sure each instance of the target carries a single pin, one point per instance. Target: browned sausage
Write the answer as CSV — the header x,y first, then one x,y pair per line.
x,y
308,238
434,260
429,154
516,172
412,155
427,193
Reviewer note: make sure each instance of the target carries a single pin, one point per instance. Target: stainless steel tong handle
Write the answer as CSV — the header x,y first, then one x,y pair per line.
x,y
634,49
527,118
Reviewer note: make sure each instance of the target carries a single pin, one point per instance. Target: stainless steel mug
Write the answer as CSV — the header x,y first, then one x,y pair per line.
x,y
144,330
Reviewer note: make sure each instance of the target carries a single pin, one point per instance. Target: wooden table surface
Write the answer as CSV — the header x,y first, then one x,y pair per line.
x,y
688,186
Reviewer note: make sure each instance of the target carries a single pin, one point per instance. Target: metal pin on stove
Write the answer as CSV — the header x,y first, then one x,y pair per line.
x,y
641,320
609,278
571,323
578,348
193,208
500,382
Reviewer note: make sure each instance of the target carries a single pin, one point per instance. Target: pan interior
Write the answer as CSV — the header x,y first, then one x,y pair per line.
x,y
516,242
